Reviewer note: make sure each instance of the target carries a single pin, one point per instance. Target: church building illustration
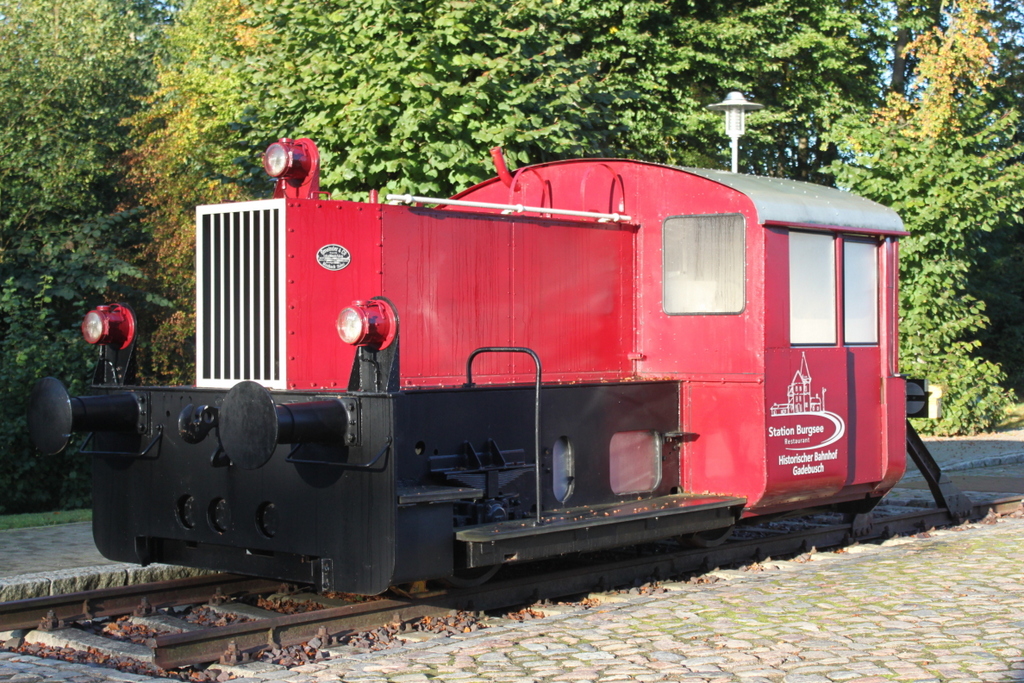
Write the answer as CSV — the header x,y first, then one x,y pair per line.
x,y
801,400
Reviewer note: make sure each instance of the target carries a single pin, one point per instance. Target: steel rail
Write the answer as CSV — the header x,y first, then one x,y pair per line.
x,y
657,567
176,650
196,647
182,649
115,602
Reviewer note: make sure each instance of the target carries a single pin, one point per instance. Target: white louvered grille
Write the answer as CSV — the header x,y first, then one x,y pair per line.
x,y
240,317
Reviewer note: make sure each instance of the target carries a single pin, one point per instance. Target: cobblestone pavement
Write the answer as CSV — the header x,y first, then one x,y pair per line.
x,y
945,608
994,455
949,607
960,452
64,559
40,549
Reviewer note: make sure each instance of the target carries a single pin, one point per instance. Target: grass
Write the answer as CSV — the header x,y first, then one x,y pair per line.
x,y
32,519
1014,418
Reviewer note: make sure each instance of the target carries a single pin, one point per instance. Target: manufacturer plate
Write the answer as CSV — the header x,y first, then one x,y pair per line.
x,y
333,257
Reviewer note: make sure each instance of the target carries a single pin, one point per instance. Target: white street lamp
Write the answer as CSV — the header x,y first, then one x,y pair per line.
x,y
735,107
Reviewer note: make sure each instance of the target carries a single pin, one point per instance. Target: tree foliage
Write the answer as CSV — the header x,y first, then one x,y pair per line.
x,y
954,64
69,72
806,61
1007,19
183,156
950,167
408,96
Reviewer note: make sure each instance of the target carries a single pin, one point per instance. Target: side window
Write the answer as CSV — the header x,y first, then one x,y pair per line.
x,y
703,259
634,462
812,288
563,468
860,292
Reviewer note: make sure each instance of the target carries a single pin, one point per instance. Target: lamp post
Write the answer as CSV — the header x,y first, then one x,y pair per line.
x,y
735,107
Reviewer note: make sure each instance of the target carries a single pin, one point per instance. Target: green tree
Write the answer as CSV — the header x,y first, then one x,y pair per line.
x,y
183,156
941,157
807,61
998,277
1008,20
409,96
69,72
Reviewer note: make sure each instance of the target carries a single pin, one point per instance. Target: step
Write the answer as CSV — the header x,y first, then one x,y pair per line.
x,y
598,527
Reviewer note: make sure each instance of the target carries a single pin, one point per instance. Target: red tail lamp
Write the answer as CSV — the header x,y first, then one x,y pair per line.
x,y
368,323
112,325
296,166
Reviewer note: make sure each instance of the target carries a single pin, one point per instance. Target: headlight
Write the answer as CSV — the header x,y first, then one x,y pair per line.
x,y
112,324
353,325
276,160
368,323
94,327
287,159
295,166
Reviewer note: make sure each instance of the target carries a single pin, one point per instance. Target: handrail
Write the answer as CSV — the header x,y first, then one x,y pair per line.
x,y
536,406
509,208
342,465
143,455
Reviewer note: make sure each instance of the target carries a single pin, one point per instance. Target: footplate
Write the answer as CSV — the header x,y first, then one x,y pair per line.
x,y
597,527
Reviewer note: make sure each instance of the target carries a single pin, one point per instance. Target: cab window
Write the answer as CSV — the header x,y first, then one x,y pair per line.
x,y
703,264
860,292
818,300
812,288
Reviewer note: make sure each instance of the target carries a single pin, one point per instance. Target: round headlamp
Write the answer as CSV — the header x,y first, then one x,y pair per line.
x,y
112,324
368,323
287,159
353,325
276,160
94,326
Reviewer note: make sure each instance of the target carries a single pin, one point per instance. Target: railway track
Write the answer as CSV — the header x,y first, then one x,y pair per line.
x,y
337,620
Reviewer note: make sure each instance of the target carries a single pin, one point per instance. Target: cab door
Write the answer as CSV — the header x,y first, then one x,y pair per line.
x,y
824,389
862,271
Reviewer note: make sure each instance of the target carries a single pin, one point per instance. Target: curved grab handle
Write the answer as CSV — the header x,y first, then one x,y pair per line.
x,y
536,406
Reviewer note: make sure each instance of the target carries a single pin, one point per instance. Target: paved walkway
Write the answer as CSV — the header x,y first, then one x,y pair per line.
x,y
63,559
946,608
49,548
949,607
43,550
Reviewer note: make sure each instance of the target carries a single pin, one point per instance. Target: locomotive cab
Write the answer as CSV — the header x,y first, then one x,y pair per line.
x,y
574,356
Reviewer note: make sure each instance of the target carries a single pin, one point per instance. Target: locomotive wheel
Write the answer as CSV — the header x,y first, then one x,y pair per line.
x,y
708,539
469,578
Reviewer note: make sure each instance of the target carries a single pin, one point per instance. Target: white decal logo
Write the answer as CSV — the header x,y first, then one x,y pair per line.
x,y
333,257
803,402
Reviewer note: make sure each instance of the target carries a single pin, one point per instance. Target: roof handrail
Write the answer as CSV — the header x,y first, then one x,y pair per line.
x,y
509,208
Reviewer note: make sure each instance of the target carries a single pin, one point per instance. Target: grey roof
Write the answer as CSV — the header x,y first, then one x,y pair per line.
x,y
791,201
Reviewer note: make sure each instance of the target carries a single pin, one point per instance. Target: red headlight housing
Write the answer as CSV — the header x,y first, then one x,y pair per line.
x,y
112,325
296,166
368,323
286,159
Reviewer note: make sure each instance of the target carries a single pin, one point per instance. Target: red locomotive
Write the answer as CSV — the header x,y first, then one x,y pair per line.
x,y
577,355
